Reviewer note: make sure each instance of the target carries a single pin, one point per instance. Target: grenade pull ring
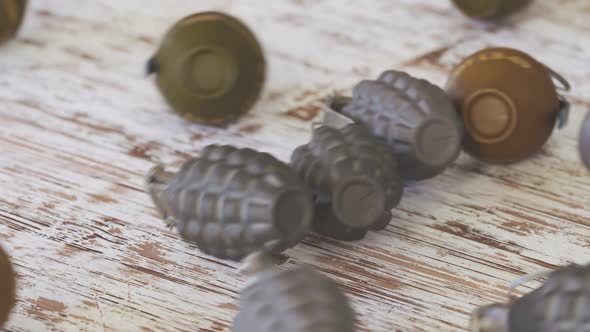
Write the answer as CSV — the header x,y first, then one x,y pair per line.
x,y
564,104
157,179
333,116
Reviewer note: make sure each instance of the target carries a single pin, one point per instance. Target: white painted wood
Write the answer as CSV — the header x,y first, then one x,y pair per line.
x,y
81,126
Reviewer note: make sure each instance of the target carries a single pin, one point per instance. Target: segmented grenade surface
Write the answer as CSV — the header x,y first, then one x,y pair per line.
x,y
398,108
562,304
232,202
7,287
335,157
297,300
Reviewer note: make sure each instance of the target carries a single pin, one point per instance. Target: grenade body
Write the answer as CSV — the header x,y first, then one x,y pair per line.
x,y
232,202
354,178
210,68
561,304
508,102
414,116
12,13
585,141
296,300
7,287
488,10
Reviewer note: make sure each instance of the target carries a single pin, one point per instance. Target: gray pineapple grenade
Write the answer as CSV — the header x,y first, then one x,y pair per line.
x,y
414,116
585,141
232,202
294,300
354,178
562,304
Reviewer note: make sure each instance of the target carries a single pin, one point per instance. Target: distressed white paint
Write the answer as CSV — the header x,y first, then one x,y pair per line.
x,y
81,126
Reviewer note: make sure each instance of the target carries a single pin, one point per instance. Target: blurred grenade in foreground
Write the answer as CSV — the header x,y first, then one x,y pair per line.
x,y
295,300
562,304
415,117
232,202
210,68
354,178
7,287
12,13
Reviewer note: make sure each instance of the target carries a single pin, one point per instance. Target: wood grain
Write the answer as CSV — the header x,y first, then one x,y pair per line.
x,y
81,125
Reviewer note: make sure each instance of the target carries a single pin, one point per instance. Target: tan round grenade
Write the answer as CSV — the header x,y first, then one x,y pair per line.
x,y
7,287
585,142
354,177
232,202
489,9
295,300
210,68
508,102
415,117
12,13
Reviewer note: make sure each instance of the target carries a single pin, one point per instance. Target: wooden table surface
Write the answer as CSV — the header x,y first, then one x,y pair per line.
x,y
81,125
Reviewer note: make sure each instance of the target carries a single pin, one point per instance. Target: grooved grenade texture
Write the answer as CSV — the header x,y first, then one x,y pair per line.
x,y
232,202
354,177
297,300
414,116
561,304
7,287
585,142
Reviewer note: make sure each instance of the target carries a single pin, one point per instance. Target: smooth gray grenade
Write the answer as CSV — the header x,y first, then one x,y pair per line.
x,y
295,300
232,202
414,116
585,141
354,178
561,304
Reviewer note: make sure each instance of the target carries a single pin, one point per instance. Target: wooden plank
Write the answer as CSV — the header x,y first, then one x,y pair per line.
x,y
81,126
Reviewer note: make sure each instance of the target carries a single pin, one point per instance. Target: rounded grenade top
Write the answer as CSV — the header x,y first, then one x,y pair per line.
x,y
489,9
508,102
585,141
210,67
12,13
7,287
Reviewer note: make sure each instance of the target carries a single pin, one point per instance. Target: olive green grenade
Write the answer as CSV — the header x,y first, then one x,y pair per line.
x,y
354,178
488,10
7,287
12,13
585,141
295,300
508,102
414,116
210,68
232,202
561,304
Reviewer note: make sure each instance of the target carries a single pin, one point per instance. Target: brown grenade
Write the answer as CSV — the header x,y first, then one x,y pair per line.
x,y
489,9
508,102
11,17
210,68
7,287
585,141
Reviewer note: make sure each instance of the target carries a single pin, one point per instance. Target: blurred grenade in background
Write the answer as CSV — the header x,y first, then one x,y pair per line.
x,y
295,300
12,13
585,141
210,68
232,202
561,304
7,287
354,178
415,117
488,10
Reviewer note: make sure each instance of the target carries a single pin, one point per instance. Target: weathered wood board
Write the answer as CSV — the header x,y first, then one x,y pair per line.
x,y
80,126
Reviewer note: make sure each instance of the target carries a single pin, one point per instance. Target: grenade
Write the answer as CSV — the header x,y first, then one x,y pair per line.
x,y
12,13
7,287
508,102
561,304
585,141
295,300
488,10
210,68
354,178
414,116
232,202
